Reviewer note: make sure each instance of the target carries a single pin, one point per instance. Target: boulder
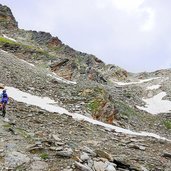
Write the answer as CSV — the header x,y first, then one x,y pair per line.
x,y
39,166
14,159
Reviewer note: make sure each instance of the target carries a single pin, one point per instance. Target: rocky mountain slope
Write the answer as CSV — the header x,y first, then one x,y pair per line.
x,y
38,137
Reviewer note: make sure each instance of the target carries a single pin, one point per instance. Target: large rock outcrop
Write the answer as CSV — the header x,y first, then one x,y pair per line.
x,y
7,20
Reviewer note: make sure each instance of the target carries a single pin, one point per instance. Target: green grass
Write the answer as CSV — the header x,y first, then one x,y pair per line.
x,y
167,124
7,125
94,105
37,51
4,41
44,156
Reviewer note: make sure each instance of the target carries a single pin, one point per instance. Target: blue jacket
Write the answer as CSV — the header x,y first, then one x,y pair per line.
x,y
4,97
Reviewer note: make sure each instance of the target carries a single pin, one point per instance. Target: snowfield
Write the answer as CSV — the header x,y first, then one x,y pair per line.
x,y
156,104
153,87
55,76
137,82
51,106
9,38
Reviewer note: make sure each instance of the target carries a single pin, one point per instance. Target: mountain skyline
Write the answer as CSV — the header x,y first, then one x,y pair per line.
x,y
134,35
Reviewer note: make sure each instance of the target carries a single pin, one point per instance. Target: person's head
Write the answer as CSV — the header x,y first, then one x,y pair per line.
x,y
4,91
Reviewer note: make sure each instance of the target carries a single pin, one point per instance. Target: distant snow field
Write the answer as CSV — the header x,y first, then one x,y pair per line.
x,y
137,82
153,87
156,104
51,106
27,62
9,38
55,76
4,51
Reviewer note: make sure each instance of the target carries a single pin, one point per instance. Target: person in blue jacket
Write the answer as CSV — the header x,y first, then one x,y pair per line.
x,y
4,97
4,101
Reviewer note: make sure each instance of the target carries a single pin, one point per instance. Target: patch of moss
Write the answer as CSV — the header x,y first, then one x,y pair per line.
x,y
99,90
4,41
7,126
44,156
167,124
96,92
94,105
34,50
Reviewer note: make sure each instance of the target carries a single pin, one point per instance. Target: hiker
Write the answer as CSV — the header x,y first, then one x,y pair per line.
x,y
4,97
4,101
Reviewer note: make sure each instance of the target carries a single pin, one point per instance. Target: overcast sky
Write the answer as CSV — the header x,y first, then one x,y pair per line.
x,y
133,34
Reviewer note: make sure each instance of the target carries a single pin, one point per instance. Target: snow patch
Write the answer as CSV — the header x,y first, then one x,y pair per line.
x,y
4,51
27,62
153,87
9,38
51,106
137,82
55,76
156,105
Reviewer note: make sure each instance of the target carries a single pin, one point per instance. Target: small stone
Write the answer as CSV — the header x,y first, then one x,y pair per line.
x,y
38,143
66,153
90,163
36,158
99,166
56,137
88,150
59,143
166,154
137,147
56,148
68,170
30,115
104,154
82,167
84,157
143,168
110,167
1,150
6,120
34,148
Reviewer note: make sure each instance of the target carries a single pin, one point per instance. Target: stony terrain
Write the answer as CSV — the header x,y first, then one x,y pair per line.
x,y
34,139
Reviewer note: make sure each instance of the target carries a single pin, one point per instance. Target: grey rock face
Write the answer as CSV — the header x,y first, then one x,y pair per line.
x,y
65,153
14,159
39,166
7,19
44,38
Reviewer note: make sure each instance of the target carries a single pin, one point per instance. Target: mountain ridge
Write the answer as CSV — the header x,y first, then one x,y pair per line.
x,y
49,46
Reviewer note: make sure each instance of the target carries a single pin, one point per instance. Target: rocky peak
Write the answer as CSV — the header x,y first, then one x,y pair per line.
x,y
45,38
42,47
7,20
